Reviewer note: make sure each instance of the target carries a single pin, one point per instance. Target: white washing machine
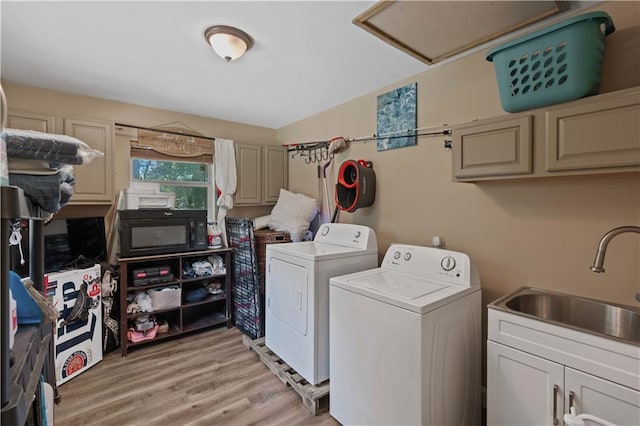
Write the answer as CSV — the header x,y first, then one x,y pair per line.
x,y
405,341
297,292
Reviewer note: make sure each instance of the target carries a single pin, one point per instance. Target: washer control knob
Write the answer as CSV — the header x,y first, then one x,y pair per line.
x,y
396,255
324,230
407,256
357,234
448,263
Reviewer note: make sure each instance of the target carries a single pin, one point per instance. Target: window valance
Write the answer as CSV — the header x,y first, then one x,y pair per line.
x,y
171,144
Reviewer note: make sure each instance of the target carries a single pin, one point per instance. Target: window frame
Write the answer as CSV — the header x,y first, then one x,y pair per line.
x,y
209,185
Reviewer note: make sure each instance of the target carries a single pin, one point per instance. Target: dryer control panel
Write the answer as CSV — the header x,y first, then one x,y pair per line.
x,y
347,235
431,263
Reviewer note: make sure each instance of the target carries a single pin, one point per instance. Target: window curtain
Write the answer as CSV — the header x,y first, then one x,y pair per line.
x,y
225,170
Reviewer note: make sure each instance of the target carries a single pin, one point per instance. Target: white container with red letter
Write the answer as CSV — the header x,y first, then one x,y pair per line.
x,y
78,337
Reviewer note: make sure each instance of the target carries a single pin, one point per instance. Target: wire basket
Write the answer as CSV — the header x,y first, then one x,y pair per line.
x,y
263,238
165,297
552,65
247,304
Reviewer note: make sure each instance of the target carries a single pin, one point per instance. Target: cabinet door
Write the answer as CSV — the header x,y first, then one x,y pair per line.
x,y
26,120
609,401
276,172
522,389
94,181
601,133
249,172
494,148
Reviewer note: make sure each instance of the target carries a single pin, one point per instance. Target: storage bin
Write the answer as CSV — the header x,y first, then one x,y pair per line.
x,y
552,65
165,297
264,237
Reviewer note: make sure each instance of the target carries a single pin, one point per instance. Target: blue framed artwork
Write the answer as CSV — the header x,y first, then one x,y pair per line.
x,y
397,116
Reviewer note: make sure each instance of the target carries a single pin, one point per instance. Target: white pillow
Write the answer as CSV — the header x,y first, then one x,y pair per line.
x,y
293,213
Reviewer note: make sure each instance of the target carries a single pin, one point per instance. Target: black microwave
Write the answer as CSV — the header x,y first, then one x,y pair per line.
x,y
159,231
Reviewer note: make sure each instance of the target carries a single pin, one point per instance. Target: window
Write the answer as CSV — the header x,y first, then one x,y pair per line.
x,y
177,162
191,182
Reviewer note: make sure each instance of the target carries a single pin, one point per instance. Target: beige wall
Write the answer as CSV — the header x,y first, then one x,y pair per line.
x,y
68,105
534,232
531,232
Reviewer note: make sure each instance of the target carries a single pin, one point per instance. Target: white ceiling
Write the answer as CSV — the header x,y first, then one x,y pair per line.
x,y
307,56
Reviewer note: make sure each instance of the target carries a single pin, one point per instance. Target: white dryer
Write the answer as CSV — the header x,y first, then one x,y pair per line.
x,y
405,340
297,292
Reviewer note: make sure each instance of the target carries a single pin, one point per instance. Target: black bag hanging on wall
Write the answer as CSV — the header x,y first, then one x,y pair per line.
x,y
356,187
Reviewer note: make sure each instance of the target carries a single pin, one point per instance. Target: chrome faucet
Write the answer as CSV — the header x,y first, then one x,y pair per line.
x,y
598,262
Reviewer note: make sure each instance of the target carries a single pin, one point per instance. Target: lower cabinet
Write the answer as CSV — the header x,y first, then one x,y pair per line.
x,y
184,295
537,371
524,389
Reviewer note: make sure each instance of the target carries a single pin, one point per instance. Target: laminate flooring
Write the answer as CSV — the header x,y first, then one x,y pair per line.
x,y
206,378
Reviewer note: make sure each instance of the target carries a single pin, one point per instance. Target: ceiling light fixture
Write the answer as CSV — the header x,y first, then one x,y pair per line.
x,y
228,42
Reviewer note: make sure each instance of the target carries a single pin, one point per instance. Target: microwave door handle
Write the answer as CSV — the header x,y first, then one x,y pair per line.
x,y
192,225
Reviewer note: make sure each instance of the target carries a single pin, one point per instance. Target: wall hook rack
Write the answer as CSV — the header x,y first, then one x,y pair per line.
x,y
319,150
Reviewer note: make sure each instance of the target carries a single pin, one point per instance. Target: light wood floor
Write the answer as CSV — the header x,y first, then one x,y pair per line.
x,y
206,378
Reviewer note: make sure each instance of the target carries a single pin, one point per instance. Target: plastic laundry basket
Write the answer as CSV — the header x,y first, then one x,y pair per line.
x,y
552,65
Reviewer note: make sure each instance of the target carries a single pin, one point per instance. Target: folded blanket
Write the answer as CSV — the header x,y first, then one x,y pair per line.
x,y
49,192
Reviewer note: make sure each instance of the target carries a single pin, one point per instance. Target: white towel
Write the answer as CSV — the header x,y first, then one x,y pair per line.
x,y
225,164
225,172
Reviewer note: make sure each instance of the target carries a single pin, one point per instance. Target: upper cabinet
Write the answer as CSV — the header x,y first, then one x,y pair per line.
x,y
276,172
262,170
94,181
593,135
26,120
493,148
249,172
604,132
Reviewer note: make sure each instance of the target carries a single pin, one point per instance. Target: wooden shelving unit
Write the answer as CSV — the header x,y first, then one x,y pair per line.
x,y
214,309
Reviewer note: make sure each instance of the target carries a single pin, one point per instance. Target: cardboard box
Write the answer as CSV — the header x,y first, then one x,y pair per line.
x,y
78,344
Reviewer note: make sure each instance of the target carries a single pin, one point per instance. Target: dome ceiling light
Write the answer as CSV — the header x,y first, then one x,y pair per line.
x,y
228,42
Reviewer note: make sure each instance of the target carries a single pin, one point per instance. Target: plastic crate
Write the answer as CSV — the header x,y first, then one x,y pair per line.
x,y
552,65
247,303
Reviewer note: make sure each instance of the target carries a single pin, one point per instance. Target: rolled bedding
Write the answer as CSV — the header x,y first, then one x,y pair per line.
x,y
53,148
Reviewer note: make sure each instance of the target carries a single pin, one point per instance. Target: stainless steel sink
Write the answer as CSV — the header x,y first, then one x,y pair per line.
x,y
592,316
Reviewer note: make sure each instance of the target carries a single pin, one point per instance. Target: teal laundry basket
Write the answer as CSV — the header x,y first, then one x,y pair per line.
x,y
552,65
